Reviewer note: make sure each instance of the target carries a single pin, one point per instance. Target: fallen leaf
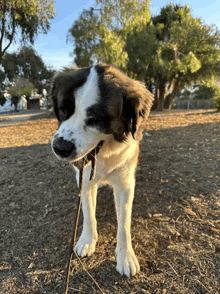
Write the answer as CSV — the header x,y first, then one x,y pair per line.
x,y
214,214
199,219
31,265
217,221
214,230
190,212
218,155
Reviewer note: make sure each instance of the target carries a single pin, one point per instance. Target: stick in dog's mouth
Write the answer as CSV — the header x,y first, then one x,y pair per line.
x,y
91,156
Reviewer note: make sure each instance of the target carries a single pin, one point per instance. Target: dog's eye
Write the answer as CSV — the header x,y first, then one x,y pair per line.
x,y
93,121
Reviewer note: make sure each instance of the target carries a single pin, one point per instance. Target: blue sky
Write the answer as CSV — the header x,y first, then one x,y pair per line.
x,y
56,52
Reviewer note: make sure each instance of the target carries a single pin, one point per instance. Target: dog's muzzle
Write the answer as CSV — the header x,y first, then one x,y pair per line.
x,y
64,149
89,156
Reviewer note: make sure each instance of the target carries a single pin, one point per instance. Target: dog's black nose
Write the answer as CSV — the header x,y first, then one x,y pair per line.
x,y
63,147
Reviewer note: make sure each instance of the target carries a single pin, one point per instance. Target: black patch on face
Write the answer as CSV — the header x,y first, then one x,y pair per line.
x,y
63,90
98,117
67,106
110,106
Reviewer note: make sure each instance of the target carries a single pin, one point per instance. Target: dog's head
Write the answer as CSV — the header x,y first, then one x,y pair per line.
x,y
94,103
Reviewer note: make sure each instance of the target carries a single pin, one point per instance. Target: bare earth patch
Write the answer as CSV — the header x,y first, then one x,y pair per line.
x,y
176,212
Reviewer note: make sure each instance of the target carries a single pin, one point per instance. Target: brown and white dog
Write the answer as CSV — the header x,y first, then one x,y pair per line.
x,y
101,106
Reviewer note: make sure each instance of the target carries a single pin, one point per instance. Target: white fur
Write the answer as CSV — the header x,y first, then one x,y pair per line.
x,y
116,163
85,138
115,166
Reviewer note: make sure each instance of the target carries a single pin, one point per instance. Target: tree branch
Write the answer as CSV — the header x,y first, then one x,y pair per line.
x,y
11,36
3,30
169,87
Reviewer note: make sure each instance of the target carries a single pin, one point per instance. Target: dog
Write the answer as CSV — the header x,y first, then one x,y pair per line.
x,y
101,107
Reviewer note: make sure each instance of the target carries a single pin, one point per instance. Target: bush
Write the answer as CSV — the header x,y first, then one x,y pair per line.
x,y
216,97
216,101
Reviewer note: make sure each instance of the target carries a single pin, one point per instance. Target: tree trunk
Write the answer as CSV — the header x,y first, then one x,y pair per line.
x,y
169,99
156,98
160,106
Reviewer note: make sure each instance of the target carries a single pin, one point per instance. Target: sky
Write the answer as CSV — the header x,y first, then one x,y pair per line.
x,y
56,52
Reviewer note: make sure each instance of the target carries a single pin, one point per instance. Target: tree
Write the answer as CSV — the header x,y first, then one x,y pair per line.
x,y
21,87
33,68
28,17
205,92
27,64
100,34
84,34
173,50
10,66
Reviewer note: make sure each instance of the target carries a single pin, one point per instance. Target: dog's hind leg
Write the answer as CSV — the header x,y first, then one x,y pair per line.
x,y
87,241
127,262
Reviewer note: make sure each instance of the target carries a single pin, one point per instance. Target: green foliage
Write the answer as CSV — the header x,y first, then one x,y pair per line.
x,y
205,92
185,95
21,87
216,96
83,34
173,50
216,101
28,17
100,34
27,64
9,63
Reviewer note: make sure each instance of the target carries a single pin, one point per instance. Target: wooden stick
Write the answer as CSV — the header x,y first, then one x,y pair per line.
x,y
73,240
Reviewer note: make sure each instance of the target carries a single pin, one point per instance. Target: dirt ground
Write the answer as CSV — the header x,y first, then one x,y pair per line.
x,y
176,211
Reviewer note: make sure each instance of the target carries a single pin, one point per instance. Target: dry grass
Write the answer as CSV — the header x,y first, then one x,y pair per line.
x,y
176,213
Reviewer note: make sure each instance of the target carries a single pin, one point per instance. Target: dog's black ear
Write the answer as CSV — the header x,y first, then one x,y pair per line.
x,y
136,108
129,102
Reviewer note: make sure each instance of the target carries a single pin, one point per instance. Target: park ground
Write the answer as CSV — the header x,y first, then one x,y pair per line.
x,y
176,211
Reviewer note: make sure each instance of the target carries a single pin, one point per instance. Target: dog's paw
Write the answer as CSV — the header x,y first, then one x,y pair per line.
x,y
127,263
85,246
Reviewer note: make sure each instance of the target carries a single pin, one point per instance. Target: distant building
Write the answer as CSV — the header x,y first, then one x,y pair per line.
x,y
33,103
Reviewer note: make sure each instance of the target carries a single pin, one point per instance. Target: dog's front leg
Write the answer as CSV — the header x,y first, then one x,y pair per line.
x,y
127,262
87,241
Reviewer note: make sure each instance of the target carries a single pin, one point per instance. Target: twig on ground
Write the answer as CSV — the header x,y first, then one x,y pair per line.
x,y
75,289
203,286
91,277
173,269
